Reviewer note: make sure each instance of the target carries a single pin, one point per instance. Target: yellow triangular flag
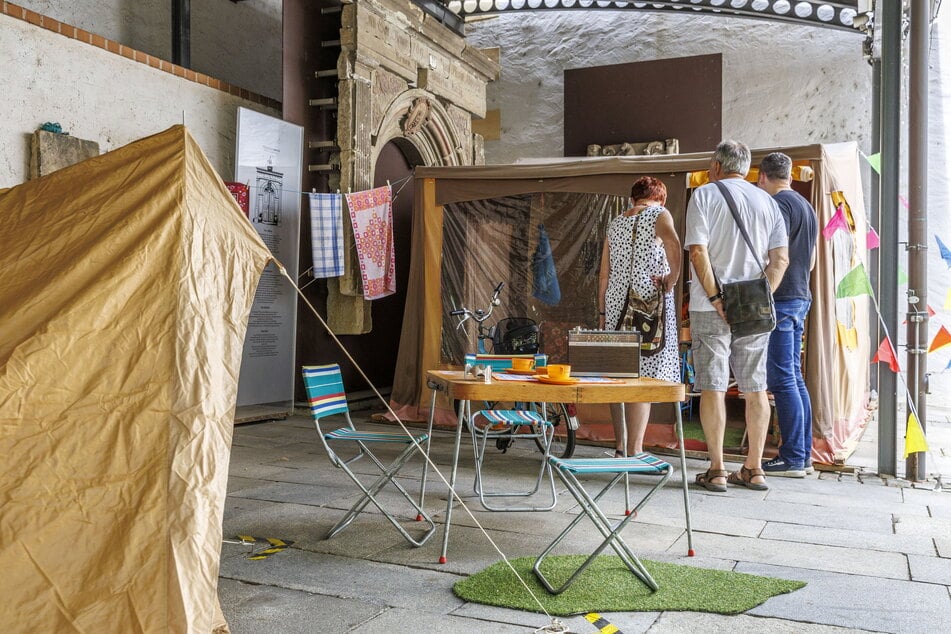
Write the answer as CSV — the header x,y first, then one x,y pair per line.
x,y
947,300
914,436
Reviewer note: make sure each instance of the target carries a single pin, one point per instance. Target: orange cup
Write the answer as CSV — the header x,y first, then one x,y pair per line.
x,y
559,371
523,364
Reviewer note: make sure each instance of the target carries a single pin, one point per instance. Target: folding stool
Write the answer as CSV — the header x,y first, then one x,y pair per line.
x,y
325,392
568,470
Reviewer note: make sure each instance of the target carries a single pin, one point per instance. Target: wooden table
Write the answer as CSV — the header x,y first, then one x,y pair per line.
x,y
456,387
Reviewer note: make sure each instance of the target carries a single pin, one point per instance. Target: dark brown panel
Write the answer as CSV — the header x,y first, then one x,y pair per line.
x,y
645,101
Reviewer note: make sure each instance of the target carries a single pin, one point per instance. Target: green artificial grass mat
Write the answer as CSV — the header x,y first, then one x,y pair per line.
x,y
608,586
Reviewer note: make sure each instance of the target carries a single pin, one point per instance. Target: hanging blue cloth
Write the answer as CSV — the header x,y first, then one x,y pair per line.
x,y
545,285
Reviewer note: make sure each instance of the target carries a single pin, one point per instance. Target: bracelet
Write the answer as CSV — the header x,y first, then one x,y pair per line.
x,y
713,298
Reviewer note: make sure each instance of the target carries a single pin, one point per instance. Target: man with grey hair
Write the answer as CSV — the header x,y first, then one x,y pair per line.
x,y
719,254
793,299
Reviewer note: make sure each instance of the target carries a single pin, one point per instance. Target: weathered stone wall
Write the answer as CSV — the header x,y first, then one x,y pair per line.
x,y
100,96
782,84
237,42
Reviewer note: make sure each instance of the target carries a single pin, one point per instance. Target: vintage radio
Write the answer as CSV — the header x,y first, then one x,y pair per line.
x,y
604,352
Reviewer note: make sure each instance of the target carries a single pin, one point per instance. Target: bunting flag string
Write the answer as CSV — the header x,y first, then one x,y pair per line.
x,y
836,222
914,436
941,339
854,283
886,354
945,252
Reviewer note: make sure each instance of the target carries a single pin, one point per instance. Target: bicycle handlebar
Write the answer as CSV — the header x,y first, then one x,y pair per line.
x,y
457,312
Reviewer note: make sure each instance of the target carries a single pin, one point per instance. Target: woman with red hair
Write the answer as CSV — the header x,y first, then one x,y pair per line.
x,y
641,257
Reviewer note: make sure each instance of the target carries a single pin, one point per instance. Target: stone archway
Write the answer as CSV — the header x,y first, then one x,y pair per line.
x,y
417,119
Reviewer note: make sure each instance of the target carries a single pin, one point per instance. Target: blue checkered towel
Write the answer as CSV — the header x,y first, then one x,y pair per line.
x,y
326,234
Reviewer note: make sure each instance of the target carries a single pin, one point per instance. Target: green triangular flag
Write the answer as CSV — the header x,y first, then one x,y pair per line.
x,y
875,160
902,276
854,283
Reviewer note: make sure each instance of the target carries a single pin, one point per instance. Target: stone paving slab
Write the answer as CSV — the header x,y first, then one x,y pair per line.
x,y
927,526
253,609
624,621
402,620
943,546
808,556
930,569
718,623
865,540
869,603
348,578
754,507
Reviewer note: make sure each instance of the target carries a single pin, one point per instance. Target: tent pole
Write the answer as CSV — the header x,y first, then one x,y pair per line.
x,y
918,224
890,96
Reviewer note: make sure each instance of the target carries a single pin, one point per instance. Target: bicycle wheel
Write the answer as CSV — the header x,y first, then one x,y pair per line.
x,y
565,423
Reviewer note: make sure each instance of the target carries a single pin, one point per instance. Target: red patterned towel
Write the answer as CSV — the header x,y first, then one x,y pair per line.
x,y
372,215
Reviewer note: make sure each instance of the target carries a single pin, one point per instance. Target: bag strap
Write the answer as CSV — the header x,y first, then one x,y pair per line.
x,y
725,191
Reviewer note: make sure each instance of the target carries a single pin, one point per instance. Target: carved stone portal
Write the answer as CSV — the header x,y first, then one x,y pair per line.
x,y
650,148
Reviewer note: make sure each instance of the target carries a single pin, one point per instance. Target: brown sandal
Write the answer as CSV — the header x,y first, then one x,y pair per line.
x,y
744,478
705,480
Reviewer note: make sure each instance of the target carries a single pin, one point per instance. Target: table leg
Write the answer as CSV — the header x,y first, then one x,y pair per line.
x,y
627,477
683,477
429,441
463,413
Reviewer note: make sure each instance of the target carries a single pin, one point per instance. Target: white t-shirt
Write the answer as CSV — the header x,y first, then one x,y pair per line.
x,y
710,223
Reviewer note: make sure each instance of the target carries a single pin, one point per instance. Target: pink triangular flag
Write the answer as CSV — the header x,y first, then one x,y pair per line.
x,y
836,222
871,238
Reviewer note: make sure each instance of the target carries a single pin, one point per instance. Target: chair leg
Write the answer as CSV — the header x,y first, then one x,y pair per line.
x,y
388,476
611,534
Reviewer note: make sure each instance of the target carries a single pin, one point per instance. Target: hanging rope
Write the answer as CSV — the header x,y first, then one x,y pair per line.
x,y
554,622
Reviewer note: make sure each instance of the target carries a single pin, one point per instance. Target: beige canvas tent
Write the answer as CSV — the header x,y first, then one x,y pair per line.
x,y
476,226
127,282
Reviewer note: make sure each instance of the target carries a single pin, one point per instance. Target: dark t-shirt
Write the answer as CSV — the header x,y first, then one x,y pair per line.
x,y
803,229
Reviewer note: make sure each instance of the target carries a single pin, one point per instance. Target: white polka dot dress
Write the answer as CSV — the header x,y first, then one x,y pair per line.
x,y
649,259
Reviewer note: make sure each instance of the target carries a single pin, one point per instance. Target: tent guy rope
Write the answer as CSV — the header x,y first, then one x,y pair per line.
x,y
432,464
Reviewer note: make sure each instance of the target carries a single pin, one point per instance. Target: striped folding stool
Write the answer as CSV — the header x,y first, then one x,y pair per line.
x,y
325,392
568,471
492,424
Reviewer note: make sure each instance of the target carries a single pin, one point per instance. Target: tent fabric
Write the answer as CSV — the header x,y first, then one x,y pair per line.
x,y
126,288
469,234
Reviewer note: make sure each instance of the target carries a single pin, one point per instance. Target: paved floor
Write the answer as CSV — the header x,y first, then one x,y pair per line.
x,y
875,553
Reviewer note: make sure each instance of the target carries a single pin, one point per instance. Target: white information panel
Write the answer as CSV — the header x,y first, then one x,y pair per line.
x,y
268,159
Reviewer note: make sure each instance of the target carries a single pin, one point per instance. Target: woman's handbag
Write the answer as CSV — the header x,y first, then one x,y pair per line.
x,y
643,316
748,304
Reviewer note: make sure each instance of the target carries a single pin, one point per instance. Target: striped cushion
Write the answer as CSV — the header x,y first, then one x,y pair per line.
x,y
641,463
345,433
325,392
513,417
499,362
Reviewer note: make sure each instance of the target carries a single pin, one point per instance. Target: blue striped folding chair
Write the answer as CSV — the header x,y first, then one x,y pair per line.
x,y
325,392
504,424
568,471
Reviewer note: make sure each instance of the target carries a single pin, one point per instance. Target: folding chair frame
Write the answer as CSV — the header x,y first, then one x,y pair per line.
x,y
621,467
512,420
335,403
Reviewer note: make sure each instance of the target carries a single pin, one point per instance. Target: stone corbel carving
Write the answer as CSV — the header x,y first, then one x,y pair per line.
x,y
651,148
416,116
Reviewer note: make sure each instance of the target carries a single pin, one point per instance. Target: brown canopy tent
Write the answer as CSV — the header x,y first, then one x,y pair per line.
x,y
475,226
126,288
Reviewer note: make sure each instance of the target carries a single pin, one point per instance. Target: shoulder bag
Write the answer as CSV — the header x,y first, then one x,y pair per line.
x,y
643,316
748,304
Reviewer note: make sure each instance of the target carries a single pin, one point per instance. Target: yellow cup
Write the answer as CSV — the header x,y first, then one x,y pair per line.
x,y
523,364
559,371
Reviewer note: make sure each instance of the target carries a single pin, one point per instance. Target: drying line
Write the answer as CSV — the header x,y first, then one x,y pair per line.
x,y
432,464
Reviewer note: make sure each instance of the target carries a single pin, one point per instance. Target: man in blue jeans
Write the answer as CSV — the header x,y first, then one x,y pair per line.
x,y
793,299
